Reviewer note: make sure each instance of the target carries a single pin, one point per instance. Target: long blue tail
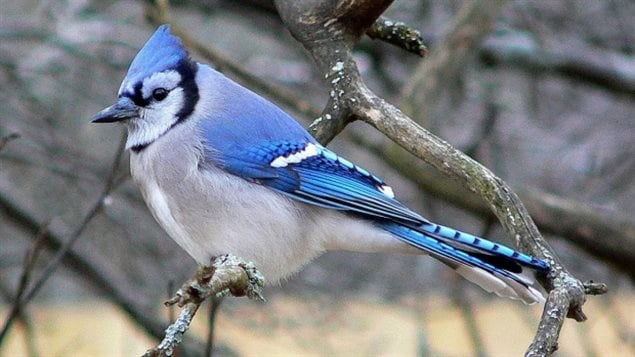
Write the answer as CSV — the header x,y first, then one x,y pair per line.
x,y
494,267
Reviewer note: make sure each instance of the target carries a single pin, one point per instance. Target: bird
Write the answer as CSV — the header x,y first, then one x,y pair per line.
x,y
225,171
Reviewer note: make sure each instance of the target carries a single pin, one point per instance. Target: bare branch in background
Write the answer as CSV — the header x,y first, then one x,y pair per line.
x,y
26,322
25,278
6,139
449,57
214,304
466,308
90,267
24,296
612,71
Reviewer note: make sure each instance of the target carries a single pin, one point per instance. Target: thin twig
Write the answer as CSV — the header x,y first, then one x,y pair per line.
x,y
29,262
214,305
423,348
25,277
6,139
25,320
459,298
589,65
398,34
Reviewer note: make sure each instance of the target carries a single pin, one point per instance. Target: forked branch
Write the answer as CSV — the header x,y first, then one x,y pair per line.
x,y
329,37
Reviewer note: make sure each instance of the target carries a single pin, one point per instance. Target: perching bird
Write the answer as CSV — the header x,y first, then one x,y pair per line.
x,y
225,171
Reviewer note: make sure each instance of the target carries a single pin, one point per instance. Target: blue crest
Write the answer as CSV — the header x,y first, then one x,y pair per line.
x,y
162,51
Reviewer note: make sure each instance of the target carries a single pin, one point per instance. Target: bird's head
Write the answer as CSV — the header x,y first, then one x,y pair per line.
x,y
159,91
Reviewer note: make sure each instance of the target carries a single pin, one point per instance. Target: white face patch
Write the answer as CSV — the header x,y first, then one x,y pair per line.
x,y
158,116
155,119
167,80
386,190
283,161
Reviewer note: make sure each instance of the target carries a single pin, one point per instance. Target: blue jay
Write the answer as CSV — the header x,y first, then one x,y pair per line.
x,y
225,171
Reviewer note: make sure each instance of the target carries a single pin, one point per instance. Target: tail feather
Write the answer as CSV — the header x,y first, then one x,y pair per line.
x,y
492,266
481,247
502,285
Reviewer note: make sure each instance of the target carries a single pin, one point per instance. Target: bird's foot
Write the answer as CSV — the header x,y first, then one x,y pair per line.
x,y
252,288
226,275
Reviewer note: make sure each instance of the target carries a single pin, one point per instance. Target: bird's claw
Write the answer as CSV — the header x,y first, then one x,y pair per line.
x,y
226,275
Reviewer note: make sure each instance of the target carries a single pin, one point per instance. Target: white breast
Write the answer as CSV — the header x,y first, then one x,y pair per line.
x,y
145,169
209,212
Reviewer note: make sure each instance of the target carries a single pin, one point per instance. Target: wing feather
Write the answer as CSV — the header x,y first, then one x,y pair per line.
x,y
323,179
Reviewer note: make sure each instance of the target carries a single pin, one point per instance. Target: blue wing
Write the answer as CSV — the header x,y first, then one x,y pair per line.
x,y
238,139
327,180
321,178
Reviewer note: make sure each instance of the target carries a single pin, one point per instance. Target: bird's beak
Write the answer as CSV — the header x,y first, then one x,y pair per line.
x,y
124,109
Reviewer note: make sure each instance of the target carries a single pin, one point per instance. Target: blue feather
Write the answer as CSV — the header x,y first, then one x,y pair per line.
x,y
452,255
247,132
163,51
481,247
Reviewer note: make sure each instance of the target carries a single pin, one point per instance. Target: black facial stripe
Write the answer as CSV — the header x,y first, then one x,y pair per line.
x,y
137,97
187,69
138,148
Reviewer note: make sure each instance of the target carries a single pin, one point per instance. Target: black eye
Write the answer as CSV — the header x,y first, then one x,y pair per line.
x,y
159,94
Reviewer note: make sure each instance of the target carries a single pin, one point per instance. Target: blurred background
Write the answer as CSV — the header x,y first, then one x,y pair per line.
x,y
546,101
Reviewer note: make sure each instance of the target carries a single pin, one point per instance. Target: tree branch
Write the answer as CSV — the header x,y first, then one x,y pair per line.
x,y
330,46
611,71
329,37
6,139
398,34
25,278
